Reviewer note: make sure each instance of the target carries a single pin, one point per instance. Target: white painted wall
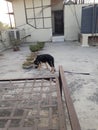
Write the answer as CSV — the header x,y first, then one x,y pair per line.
x,y
36,34
72,21
19,13
4,40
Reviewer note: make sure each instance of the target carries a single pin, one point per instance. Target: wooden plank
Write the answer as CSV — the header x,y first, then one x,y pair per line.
x,y
70,107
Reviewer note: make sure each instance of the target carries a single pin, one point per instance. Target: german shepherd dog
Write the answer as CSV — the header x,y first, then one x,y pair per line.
x,y
45,58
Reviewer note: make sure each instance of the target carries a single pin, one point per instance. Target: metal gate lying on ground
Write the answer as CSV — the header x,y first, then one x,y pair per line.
x,y
37,104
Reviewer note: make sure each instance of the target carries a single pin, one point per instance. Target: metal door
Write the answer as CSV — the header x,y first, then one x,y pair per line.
x,y
59,22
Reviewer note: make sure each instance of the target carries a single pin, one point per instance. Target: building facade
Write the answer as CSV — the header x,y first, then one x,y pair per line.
x,y
43,20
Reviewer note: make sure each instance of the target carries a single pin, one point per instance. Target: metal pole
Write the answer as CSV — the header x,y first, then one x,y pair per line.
x,y
93,23
9,16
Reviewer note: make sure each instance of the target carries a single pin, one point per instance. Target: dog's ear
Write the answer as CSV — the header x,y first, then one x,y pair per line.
x,y
34,54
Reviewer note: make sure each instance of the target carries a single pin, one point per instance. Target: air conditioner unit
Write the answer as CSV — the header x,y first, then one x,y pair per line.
x,y
14,34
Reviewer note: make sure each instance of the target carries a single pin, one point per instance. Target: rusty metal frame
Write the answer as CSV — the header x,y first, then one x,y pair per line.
x,y
25,103
75,125
29,95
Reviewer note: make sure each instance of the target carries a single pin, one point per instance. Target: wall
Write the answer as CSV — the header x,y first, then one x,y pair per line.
x,y
20,18
4,40
72,21
57,5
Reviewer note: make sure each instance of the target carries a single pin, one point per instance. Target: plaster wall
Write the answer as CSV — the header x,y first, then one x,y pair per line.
x,y
38,27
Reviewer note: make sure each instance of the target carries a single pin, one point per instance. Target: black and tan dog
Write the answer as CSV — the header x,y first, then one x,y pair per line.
x,y
45,58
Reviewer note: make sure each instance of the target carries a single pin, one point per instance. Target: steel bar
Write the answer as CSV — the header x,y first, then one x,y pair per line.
x,y
23,79
60,108
70,107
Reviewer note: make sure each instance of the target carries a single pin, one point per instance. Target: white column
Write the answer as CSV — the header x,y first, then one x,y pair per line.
x,y
85,40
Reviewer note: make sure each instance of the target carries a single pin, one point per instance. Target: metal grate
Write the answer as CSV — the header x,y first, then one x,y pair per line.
x,y
29,104
37,104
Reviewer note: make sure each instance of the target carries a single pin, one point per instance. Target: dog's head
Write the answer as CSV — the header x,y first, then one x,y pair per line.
x,y
36,63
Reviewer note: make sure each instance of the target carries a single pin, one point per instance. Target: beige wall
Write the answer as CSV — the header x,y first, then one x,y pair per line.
x,y
58,6
4,40
72,21
37,34
20,18
19,12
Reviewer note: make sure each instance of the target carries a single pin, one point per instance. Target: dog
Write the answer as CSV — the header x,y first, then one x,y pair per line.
x,y
45,58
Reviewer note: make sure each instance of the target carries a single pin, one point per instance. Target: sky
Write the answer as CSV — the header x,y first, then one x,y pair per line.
x,y
4,17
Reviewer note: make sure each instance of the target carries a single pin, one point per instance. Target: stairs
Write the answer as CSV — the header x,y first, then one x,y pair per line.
x,y
58,39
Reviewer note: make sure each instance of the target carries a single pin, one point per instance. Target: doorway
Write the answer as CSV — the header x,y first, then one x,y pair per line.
x,y
58,23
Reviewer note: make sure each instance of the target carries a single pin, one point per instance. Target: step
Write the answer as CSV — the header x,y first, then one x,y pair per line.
x,y
57,38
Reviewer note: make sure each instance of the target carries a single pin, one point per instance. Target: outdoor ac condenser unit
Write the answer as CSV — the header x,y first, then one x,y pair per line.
x,y
14,34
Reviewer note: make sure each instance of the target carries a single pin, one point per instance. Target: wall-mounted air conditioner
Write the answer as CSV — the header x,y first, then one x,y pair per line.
x,y
14,34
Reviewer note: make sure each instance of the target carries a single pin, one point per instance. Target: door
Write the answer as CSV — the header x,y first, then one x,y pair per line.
x,y
58,23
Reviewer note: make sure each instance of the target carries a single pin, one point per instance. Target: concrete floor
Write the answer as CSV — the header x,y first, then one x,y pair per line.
x,y
75,60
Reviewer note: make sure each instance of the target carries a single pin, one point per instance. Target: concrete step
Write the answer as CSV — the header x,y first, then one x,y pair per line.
x,y
57,38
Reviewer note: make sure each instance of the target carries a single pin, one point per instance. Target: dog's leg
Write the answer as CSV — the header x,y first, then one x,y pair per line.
x,y
39,66
46,65
52,69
